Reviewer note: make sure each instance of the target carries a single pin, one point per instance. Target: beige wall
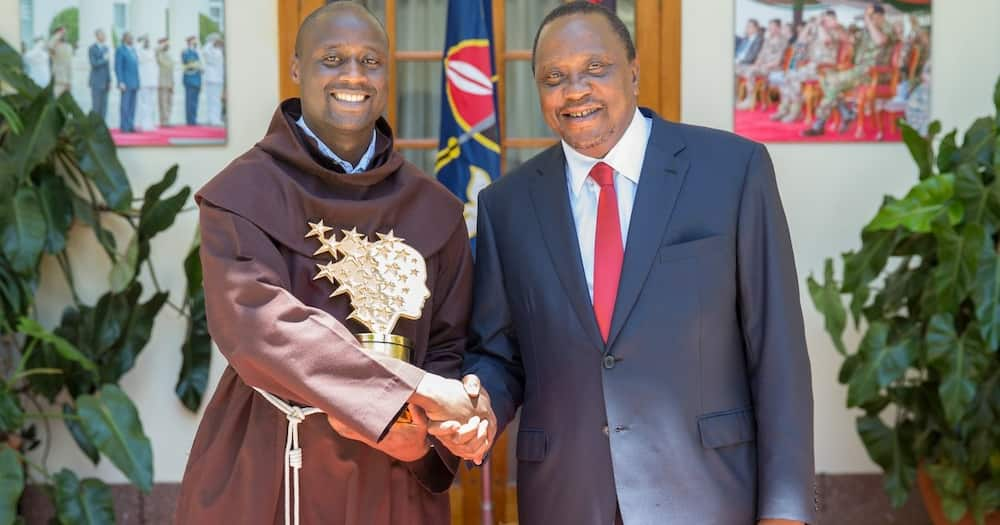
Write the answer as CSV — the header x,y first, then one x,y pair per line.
x,y
829,191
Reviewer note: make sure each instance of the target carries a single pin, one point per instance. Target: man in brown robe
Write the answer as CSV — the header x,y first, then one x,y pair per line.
x,y
327,157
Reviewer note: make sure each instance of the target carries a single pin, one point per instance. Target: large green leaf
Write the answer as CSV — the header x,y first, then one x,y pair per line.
x,y
99,161
86,502
880,364
947,152
11,413
161,214
64,348
884,448
986,294
920,150
57,207
23,224
826,298
923,203
981,202
112,422
71,418
862,267
136,334
11,71
197,348
11,484
959,360
903,288
948,479
155,191
124,269
15,294
979,142
958,256
11,117
86,212
40,135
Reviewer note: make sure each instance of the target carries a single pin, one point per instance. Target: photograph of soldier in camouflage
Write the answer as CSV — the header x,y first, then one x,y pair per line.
x,y
831,70
154,70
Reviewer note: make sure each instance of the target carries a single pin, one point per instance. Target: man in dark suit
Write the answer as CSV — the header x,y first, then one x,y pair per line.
x,y
635,295
748,47
191,61
100,74
127,74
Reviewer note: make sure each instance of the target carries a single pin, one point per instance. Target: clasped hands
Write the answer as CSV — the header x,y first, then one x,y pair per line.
x,y
457,413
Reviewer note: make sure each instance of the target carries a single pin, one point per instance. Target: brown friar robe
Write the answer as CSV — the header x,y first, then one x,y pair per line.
x,y
281,331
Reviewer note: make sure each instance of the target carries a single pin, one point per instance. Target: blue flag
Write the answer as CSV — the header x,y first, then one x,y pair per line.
x,y
468,157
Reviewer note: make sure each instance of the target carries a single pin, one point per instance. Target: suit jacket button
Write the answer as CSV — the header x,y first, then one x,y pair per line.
x,y
609,362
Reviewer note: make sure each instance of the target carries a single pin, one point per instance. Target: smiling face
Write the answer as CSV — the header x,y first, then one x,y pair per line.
x,y
341,66
587,90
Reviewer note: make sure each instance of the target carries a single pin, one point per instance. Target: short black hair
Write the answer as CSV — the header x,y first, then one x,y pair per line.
x,y
586,8
754,22
830,12
878,7
326,8
775,21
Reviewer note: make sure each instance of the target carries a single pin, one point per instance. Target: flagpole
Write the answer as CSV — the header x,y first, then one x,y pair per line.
x,y
487,493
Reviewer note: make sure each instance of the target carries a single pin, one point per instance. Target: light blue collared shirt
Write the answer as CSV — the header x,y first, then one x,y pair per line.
x,y
366,159
626,159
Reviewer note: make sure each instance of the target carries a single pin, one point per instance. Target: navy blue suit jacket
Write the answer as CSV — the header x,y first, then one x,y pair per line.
x,y
100,70
698,409
127,67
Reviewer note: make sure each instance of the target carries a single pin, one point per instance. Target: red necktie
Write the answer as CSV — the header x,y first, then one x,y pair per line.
x,y
608,251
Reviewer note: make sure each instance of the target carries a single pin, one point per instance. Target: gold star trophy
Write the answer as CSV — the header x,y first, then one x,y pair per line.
x,y
385,279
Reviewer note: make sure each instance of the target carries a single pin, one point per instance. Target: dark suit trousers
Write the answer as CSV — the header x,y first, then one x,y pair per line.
x,y
128,110
99,101
191,104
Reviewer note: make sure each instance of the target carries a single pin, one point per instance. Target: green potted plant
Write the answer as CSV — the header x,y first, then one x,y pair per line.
x,y
58,170
925,288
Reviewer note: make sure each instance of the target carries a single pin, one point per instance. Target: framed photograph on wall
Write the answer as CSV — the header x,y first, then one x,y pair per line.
x,y
831,70
153,69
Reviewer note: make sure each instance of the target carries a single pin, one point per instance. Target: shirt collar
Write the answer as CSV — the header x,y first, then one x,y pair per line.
x,y
622,157
366,159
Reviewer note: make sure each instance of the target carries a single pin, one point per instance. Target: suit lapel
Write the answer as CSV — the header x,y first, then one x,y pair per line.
x,y
663,172
551,202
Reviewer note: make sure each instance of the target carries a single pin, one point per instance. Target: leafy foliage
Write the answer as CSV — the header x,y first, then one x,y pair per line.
x,y
59,169
926,284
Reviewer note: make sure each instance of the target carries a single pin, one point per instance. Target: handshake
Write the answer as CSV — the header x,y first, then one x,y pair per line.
x,y
457,413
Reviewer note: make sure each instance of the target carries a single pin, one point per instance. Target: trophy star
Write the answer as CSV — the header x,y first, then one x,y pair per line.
x,y
340,290
389,237
328,246
318,229
325,270
353,234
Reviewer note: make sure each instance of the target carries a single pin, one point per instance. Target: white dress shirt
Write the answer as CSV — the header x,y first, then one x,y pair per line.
x,y
626,159
366,159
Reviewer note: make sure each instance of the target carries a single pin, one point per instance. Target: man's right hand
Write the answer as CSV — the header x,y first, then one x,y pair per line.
x,y
444,400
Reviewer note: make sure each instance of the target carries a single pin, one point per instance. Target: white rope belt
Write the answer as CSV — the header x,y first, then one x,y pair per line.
x,y
293,453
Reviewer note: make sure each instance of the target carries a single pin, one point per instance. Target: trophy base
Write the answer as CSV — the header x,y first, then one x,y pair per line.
x,y
389,345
